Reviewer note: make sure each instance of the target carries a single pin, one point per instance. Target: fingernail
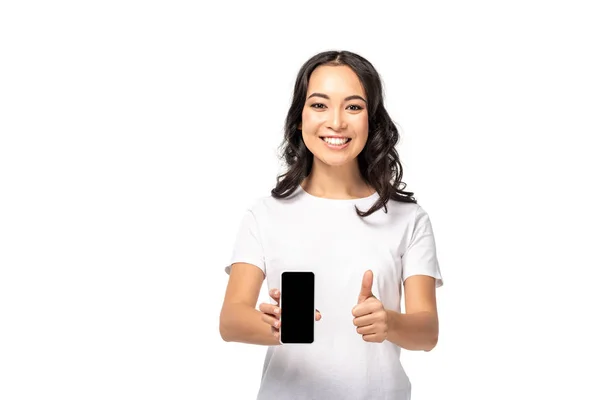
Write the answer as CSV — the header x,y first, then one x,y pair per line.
x,y
276,310
276,324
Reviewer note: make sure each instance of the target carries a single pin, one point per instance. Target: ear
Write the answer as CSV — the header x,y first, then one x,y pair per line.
x,y
300,126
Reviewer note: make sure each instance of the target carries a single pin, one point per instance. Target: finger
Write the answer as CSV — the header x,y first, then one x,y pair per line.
x,y
367,307
365,320
275,294
274,322
272,309
318,315
373,337
366,330
366,289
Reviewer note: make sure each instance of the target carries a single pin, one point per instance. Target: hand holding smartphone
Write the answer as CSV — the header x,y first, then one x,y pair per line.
x,y
300,289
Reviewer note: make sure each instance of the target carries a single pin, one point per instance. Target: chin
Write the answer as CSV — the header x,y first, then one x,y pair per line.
x,y
335,161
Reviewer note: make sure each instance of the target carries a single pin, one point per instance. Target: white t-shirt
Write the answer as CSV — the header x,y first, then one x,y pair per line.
x,y
327,237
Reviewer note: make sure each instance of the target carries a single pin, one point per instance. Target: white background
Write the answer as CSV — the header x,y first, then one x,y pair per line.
x,y
135,134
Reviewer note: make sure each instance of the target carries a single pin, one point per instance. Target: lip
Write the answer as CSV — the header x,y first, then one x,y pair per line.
x,y
334,147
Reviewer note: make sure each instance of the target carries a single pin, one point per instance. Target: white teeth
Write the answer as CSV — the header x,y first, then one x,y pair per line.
x,y
336,141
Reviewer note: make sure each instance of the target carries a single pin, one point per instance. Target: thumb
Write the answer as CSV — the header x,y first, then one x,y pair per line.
x,y
366,289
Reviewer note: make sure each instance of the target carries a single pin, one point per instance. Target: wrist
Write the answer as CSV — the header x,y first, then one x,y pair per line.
x,y
392,321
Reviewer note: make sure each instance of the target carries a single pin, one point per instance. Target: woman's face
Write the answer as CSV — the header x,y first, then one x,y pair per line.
x,y
335,106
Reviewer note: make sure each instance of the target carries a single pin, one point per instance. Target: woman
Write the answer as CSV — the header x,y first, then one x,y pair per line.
x,y
339,211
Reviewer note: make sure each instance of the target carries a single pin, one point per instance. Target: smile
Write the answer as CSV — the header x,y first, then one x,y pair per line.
x,y
336,143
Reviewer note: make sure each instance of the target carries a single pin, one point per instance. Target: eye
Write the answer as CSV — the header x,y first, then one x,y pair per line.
x,y
318,104
358,108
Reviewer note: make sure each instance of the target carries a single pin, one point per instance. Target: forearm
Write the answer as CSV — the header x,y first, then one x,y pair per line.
x,y
417,331
244,324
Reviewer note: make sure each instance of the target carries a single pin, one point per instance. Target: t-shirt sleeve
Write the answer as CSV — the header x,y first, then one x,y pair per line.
x,y
420,257
247,246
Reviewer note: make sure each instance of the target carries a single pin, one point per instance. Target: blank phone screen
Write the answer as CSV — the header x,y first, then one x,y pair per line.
x,y
297,307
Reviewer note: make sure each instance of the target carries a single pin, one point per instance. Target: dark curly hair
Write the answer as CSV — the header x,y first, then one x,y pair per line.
x,y
378,162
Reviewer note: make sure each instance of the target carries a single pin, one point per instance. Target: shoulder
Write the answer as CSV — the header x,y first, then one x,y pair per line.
x,y
410,218
262,204
266,206
268,203
419,221
415,210
404,210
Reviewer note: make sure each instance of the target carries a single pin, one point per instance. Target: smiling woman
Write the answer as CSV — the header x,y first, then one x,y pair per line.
x,y
339,148
337,126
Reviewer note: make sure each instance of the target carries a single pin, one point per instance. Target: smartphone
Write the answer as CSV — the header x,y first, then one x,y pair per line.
x,y
297,304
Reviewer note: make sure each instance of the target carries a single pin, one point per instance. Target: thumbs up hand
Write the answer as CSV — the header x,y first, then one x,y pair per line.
x,y
370,317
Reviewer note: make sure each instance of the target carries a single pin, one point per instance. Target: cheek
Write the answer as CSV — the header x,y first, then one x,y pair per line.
x,y
362,129
309,120
364,123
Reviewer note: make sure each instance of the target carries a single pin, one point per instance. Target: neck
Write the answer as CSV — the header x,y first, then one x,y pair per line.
x,y
336,182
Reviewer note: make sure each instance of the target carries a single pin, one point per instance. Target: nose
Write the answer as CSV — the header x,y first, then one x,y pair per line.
x,y
336,120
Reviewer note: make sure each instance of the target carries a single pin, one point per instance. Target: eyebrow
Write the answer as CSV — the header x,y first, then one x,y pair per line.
x,y
354,96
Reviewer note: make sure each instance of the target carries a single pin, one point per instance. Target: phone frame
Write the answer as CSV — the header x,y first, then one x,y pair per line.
x,y
281,305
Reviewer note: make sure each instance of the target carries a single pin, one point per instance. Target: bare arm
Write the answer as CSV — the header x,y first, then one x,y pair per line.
x,y
417,329
240,321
